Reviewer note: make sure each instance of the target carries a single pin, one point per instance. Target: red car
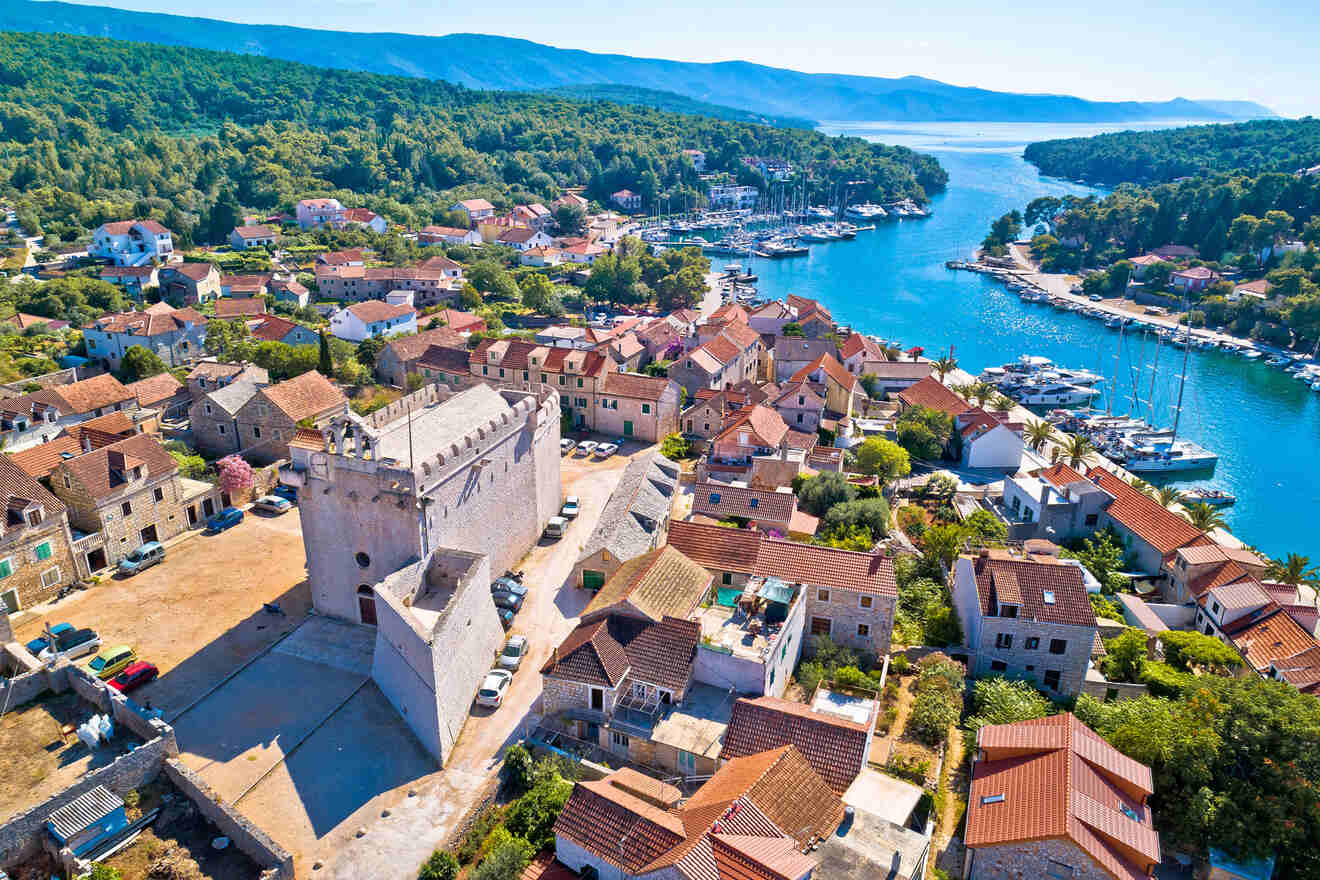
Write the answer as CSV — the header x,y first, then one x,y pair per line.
x,y
134,676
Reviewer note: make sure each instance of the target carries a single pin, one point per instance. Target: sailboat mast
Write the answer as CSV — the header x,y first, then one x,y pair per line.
x,y
1182,383
1113,392
1150,402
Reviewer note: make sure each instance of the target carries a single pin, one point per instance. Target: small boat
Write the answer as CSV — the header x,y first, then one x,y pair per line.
x,y
1252,355
865,212
1213,497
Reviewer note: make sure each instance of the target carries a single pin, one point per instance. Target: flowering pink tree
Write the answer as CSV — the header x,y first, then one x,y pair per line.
x,y
235,474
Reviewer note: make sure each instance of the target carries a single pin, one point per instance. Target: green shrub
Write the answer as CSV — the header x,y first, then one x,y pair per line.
x,y
440,866
809,675
852,677
1004,701
1162,680
899,664
518,767
505,861
532,817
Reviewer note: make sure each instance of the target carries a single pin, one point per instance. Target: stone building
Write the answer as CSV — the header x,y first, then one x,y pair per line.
x,y
433,469
175,335
849,596
436,632
36,558
190,283
401,356
1051,798
208,375
266,422
121,496
213,415
634,520
39,416
638,407
1026,618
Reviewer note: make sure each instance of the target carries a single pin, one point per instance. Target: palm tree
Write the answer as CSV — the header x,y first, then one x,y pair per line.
x,y
1204,517
944,366
1293,570
1038,433
1168,496
1077,449
1143,487
981,392
1002,403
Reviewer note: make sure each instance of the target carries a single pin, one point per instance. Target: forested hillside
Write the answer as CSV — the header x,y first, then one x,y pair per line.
x,y
1159,156
674,103
94,129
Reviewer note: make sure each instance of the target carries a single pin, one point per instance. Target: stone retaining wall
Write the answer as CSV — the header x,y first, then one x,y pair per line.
x,y
23,689
21,836
250,840
1123,690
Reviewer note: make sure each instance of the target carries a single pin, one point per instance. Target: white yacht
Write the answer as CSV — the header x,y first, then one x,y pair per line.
x,y
1163,455
1048,393
865,211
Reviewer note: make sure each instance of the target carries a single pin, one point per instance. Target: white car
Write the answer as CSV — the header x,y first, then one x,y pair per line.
x,y
494,688
605,450
567,444
514,652
271,504
572,507
586,447
1095,298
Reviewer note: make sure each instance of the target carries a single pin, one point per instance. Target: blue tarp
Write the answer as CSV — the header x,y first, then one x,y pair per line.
x,y
775,590
1257,869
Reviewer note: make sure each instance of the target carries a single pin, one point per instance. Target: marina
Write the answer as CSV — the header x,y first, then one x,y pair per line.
x,y
1262,421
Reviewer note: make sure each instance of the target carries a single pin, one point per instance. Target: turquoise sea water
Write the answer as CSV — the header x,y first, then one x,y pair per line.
x,y
1264,424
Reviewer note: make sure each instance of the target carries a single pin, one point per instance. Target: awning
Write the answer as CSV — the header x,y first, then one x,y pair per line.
x,y
775,590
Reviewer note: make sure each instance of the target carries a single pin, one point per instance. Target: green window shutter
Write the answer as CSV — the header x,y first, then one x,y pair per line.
x,y
43,550
6,568
592,580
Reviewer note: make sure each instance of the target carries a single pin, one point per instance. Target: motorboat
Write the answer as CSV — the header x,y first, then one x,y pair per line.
x,y
1213,497
1165,456
1051,394
865,211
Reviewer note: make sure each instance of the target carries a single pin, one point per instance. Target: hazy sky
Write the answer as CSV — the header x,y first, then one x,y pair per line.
x,y
1112,50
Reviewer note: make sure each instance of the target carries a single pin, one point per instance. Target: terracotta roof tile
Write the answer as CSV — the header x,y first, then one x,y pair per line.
x,y
304,396
930,393
1026,583
618,827
17,483
721,348
831,368
86,396
661,583
1055,778
1145,517
783,787
717,547
766,426
718,500
637,386
833,746
100,471
408,348
589,654
155,389
1267,635
376,310
239,308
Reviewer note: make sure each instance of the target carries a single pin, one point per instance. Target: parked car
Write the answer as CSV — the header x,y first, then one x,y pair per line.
x,y
567,444
504,599
515,649
272,504
72,643
134,676
571,507
142,557
508,585
555,527
586,447
605,450
112,661
494,687
225,519
40,643
288,493
1095,298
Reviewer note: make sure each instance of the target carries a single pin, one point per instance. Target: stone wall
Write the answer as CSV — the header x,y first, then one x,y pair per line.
x,y
46,380
721,670
1043,858
843,608
20,837
1118,690
20,547
25,688
250,840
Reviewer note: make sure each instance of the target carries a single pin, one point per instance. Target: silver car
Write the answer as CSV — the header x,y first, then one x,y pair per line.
x,y
514,652
271,504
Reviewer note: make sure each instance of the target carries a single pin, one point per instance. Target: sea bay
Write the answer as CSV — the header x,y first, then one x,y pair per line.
x,y
891,282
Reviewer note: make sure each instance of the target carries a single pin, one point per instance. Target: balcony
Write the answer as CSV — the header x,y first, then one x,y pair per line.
x,y
85,543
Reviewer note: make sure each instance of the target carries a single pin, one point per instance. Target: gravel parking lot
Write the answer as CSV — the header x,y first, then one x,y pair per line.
x,y
198,615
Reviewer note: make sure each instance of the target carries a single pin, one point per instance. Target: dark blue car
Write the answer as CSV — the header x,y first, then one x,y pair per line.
x,y
227,518
288,493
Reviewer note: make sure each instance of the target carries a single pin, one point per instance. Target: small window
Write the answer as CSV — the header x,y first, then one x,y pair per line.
x,y
50,577
208,406
1052,679
1004,640
1032,643
714,497
67,483
256,432
1214,607
126,509
823,595
753,502
866,601
1058,646
6,567
1048,596
646,409
220,428
43,550
160,494
34,517
864,630
998,666
363,560
619,739
726,578
1092,519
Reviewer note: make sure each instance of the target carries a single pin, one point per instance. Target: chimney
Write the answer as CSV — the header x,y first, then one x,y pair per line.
x,y
985,553
86,442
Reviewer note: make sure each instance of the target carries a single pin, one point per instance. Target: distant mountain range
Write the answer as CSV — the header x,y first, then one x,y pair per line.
x,y
492,62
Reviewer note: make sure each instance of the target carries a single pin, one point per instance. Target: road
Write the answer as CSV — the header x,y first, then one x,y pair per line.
x,y
393,846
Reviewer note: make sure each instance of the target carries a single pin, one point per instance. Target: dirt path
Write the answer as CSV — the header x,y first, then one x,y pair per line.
x,y
947,842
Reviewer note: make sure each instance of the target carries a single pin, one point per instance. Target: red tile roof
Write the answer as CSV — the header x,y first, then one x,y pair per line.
x,y
833,746
930,393
459,322
831,367
155,389
1025,583
248,233
857,343
1301,670
766,426
637,386
721,348
1268,634
102,471
304,396
17,483
1054,778
83,396
1145,517
157,319
273,328
617,826
238,308
749,552
375,310
719,500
